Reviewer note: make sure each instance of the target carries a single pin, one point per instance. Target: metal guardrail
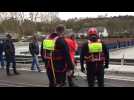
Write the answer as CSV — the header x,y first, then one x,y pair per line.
x,y
28,60
121,61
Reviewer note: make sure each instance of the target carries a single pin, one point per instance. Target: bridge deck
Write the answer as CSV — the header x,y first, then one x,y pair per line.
x,y
28,78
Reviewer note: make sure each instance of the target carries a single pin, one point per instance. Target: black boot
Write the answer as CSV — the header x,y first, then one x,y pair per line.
x,y
39,70
70,82
52,85
16,73
8,74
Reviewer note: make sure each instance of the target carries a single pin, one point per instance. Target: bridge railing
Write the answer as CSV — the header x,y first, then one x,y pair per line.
x,y
114,45
26,58
22,59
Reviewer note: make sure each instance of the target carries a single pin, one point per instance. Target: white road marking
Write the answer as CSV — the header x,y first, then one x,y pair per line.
x,y
27,69
5,85
114,77
123,78
22,84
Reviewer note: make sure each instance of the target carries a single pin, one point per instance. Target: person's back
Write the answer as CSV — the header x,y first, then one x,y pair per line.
x,y
55,54
1,47
94,52
9,48
1,53
59,54
72,44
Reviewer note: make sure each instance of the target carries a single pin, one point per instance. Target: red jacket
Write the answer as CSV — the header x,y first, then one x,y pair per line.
x,y
73,46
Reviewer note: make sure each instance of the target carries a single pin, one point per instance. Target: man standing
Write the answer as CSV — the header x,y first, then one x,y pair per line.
x,y
96,56
9,50
55,54
34,50
73,46
1,53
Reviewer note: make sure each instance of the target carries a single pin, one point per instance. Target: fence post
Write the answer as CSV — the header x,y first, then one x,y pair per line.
x,y
122,61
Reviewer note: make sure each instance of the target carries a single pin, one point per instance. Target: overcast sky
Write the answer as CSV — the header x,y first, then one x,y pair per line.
x,y
67,15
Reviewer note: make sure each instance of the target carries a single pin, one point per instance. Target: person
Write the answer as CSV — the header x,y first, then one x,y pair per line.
x,y
73,46
96,56
55,54
9,50
1,53
34,50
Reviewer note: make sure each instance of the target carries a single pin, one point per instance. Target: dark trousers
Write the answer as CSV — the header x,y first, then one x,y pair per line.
x,y
1,60
10,60
95,72
60,78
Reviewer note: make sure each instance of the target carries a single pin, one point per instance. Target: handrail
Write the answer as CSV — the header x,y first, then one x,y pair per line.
x,y
28,60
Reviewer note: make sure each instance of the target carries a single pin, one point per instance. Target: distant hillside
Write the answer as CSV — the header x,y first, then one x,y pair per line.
x,y
115,25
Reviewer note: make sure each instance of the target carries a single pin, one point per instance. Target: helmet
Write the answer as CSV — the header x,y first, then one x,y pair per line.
x,y
92,31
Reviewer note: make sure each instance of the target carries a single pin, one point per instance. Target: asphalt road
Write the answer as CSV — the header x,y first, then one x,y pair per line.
x,y
36,79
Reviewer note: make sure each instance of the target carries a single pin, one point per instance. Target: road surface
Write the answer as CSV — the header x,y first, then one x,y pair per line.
x,y
116,75
29,78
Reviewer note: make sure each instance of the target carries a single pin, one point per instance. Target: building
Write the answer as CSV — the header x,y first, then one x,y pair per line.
x,y
82,33
101,30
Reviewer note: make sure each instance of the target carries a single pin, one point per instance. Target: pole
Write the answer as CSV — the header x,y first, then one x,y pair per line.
x,y
53,69
122,61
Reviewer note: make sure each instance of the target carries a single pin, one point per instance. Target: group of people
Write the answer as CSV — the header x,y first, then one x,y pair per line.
x,y
58,54
58,51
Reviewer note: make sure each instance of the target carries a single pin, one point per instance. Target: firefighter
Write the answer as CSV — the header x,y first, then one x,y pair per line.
x,y
96,56
55,54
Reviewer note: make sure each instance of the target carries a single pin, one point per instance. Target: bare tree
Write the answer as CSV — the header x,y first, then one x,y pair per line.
x,y
48,16
44,17
21,22
20,17
34,17
49,19
4,16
